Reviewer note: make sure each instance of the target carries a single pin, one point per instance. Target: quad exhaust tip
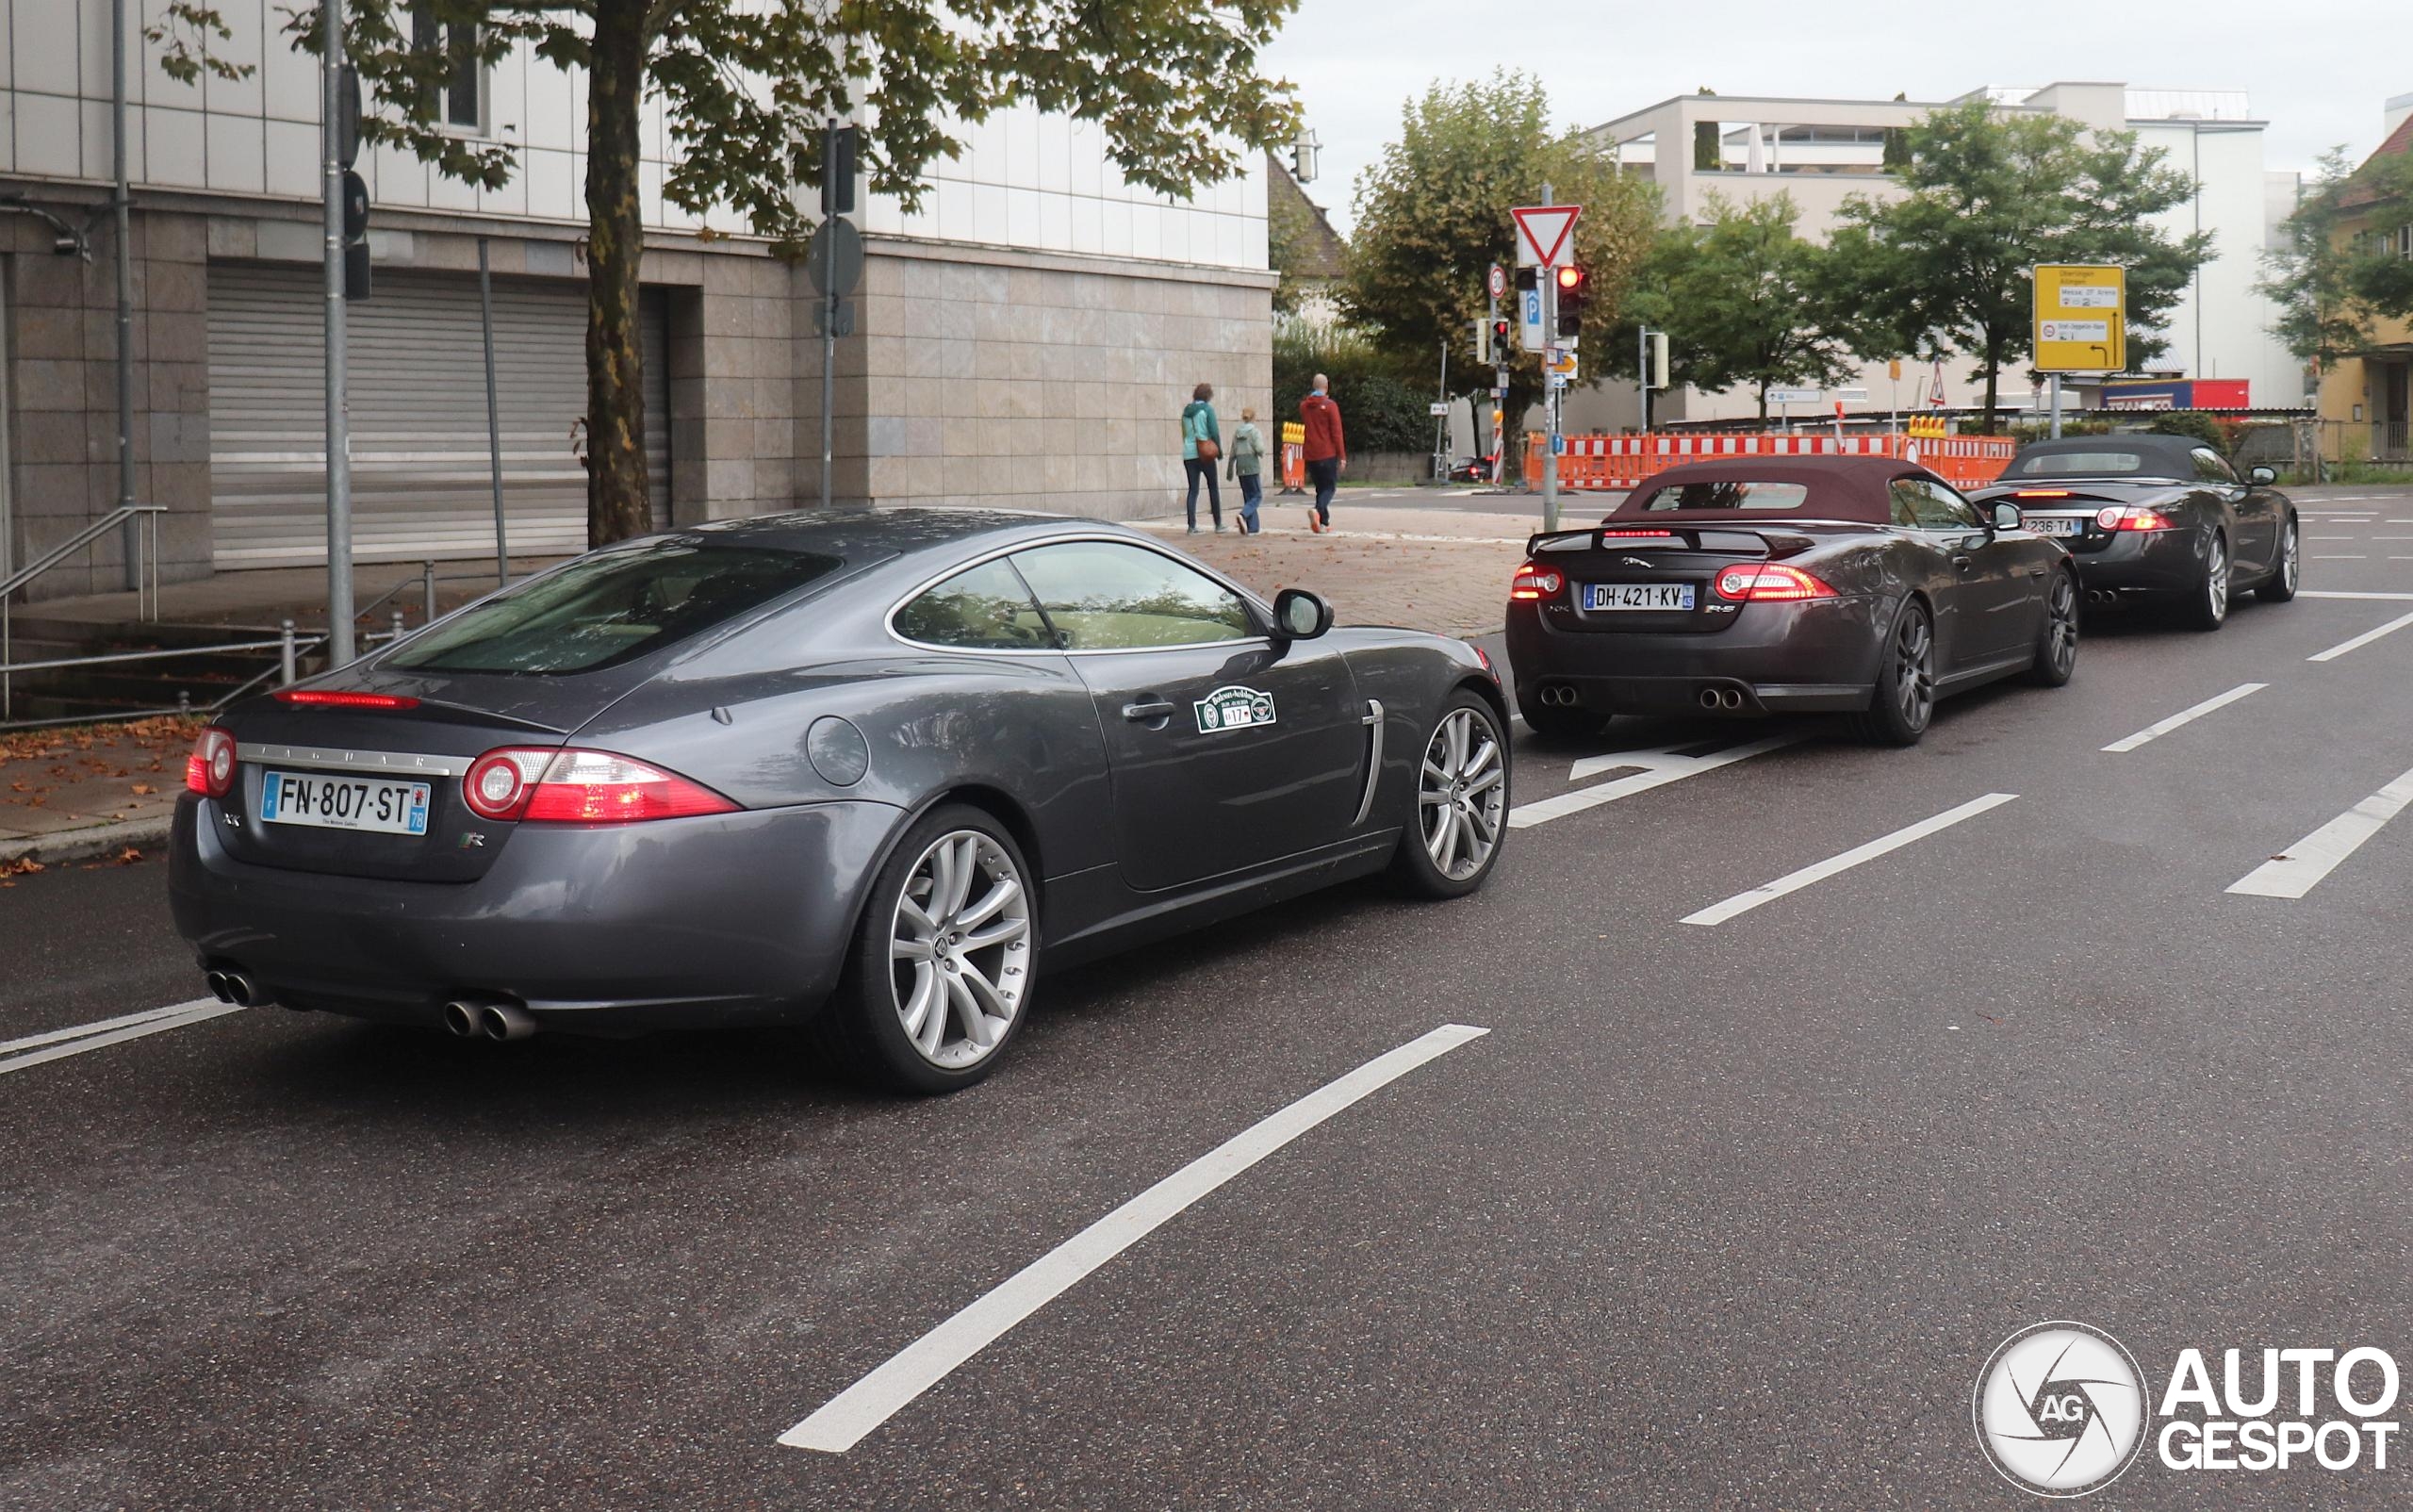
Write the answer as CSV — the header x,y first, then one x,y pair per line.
x,y
233,987
1557,696
1727,699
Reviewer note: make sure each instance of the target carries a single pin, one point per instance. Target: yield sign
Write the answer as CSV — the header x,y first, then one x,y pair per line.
x,y
1542,234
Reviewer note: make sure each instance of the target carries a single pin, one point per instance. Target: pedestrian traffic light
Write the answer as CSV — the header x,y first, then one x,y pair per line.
x,y
1574,293
1502,331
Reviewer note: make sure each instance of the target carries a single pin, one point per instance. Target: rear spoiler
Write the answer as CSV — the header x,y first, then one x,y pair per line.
x,y
1733,540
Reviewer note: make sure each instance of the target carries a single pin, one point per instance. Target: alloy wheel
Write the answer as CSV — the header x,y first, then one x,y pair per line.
x,y
959,950
1462,795
2216,583
2290,559
1914,671
2060,644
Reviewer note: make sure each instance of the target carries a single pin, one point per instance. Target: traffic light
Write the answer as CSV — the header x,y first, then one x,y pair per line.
x,y
1482,343
1658,359
1503,332
1574,291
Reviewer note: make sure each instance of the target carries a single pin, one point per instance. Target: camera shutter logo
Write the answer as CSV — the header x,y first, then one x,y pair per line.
x,y
2061,1409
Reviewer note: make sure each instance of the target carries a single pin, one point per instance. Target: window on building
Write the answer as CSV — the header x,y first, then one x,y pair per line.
x,y
460,100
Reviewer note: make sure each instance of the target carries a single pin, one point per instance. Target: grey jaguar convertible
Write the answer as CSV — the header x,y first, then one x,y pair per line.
x,y
867,770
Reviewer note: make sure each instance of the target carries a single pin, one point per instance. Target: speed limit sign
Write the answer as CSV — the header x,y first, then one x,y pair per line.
x,y
1498,282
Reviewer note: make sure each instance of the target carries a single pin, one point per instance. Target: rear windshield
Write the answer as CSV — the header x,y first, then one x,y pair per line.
x,y
613,607
2105,464
1732,495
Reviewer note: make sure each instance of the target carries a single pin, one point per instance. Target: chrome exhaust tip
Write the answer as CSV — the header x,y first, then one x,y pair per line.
x,y
1730,698
235,988
216,981
501,1021
462,1019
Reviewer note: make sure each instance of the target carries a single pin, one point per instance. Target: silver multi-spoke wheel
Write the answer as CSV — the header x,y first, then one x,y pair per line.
x,y
2216,583
1462,795
2061,626
1914,671
959,950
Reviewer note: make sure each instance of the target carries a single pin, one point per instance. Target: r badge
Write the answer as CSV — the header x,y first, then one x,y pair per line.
x,y
1233,708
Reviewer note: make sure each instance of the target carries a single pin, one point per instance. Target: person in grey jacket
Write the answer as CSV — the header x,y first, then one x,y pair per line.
x,y
1247,466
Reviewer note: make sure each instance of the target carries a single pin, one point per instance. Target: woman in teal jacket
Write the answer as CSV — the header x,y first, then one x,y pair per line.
x,y
1202,446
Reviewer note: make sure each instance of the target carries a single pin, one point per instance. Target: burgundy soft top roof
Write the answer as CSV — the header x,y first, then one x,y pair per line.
x,y
1852,488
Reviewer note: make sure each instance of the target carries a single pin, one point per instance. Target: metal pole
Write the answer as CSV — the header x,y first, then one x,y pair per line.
x,y
427,594
1441,421
494,438
1642,373
338,421
285,654
828,329
1548,286
132,537
2056,406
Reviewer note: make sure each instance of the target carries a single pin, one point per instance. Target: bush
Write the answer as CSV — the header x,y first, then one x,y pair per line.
x,y
1378,412
2192,424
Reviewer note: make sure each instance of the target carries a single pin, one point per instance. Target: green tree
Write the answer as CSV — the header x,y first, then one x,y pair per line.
x,y
747,86
1744,300
2335,270
1987,196
1433,217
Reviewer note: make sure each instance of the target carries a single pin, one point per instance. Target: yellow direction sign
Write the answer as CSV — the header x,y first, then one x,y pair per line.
x,y
2082,318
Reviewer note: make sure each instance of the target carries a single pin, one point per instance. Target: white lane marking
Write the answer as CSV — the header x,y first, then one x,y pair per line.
x,y
1662,767
1820,871
100,1026
841,1422
2364,639
2356,557
2339,593
2295,871
194,1013
2160,727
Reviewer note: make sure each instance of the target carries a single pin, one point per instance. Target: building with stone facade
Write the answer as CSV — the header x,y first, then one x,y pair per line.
x,y
1027,335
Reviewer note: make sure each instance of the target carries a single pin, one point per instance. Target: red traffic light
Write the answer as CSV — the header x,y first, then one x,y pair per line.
x,y
1570,277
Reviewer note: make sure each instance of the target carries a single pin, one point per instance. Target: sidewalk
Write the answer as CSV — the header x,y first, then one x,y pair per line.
x,y
94,790
1423,568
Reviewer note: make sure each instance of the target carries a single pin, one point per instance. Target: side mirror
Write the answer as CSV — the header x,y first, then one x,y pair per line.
x,y
1299,615
2004,515
2263,477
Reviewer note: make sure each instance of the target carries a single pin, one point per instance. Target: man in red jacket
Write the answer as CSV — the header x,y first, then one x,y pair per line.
x,y
1325,453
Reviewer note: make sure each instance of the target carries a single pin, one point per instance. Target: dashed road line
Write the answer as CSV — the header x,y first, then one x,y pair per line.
x,y
1818,872
2362,640
2341,593
2298,869
841,1422
1663,767
60,1044
2160,727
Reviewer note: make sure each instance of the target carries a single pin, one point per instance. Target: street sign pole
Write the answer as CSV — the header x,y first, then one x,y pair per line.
x,y
1549,289
2056,406
339,649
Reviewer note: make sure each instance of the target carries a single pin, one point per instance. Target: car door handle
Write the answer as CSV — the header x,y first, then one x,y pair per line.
x,y
1147,710
1963,563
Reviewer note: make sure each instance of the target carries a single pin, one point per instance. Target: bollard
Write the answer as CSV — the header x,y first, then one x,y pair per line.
x,y
398,629
427,594
184,703
285,656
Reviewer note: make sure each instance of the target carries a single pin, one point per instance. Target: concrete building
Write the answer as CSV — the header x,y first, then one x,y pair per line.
x,y
1823,152
1027,335
2366,397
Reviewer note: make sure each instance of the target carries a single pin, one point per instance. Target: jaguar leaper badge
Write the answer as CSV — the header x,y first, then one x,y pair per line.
x,y
1233,708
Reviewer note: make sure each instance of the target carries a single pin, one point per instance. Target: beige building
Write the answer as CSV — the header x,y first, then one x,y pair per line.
x,y
1027,335
2367,396
1823,152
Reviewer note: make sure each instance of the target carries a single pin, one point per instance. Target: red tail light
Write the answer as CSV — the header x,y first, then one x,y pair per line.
x,y
210,769
1769,583
1536,583
541,785
338,699
1625,534
2041,493
2133,517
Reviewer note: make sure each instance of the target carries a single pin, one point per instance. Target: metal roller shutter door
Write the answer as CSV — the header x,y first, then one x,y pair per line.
x,y
419,479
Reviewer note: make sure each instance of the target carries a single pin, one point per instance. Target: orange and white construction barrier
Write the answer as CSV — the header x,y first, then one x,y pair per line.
x,y
1622,462
1294,456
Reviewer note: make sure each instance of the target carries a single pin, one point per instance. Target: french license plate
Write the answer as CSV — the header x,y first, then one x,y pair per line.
x,y
2055,524
1663,597
336,800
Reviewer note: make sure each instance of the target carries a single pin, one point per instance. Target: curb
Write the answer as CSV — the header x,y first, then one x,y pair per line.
x,y
92,840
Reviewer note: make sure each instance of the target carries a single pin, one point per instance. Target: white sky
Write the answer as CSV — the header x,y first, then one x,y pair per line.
x,y
2318,70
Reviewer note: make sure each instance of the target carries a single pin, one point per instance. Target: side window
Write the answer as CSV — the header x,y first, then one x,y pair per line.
x,y
1905,494
1936,507
1105,596
2210,466
982,608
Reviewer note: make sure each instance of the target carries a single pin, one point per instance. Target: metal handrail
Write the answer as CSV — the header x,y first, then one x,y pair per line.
x,y
289,646
145,542
109,658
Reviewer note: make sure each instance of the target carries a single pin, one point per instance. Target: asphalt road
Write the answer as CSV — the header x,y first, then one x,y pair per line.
x,y
1713,1215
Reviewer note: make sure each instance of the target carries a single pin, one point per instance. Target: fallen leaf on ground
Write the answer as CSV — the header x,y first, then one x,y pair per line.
x,y
128,856
22,867
144,788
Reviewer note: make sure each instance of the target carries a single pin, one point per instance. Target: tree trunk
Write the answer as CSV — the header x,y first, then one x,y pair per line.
x,y
1764,405
1993,379
616,506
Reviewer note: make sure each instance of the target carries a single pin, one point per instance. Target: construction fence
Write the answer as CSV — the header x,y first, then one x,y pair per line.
x,y
1622,462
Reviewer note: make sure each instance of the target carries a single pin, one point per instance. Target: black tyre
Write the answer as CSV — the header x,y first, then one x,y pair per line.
x,y
940,977
2207,608
1452,839
1904,700
2280,585
1557,721
2056,642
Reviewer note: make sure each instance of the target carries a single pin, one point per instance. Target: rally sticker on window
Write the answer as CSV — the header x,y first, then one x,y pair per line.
x,y
1234,707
